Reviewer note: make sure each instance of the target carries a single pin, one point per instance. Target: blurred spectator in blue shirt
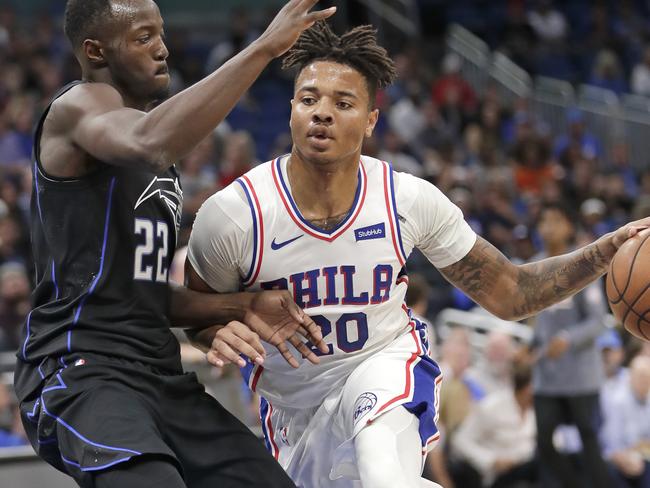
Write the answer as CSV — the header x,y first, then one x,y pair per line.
x,y
616,376
626,432
607,72
568,371
577,137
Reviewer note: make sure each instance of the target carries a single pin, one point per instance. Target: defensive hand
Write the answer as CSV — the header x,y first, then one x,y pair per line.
x,y
289,23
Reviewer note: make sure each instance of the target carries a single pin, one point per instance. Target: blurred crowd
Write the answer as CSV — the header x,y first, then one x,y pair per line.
x,y
516,178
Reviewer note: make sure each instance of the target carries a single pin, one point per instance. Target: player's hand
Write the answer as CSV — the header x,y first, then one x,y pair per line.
x,y
276,318
557,346
233,340
289,23
628,231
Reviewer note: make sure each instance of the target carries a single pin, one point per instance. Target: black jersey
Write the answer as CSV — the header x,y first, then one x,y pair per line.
x,y
102,248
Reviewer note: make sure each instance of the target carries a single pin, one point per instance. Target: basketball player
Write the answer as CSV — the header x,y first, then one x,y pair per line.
x,y
103,394
336,228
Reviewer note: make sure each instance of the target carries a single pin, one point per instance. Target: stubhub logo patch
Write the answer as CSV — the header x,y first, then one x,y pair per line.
x,y
377,231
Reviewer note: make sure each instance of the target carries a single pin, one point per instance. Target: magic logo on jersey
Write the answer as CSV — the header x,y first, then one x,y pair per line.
x,y
169,191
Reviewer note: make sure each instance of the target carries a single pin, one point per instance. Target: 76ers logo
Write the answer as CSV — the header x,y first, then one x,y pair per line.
x,y
364,404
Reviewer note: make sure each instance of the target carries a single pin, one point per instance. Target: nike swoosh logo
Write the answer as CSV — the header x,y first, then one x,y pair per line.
x,y
279,245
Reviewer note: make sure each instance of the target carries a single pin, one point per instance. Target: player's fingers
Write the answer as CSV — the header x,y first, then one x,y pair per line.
x,y
304,350
228,346
215,359
314,17
251,338
314,334
294,310
634,230
249,347
286,354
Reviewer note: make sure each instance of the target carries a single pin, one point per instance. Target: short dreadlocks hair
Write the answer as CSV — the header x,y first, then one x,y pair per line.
x,y
356,48
83,19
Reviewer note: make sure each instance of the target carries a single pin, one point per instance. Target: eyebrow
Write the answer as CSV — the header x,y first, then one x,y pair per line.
x,y
340,93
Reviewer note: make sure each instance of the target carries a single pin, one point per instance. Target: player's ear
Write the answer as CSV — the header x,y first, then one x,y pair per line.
x,y
291,115
94,52
373,117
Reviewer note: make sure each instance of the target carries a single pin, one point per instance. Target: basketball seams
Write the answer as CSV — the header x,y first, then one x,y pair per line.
x,y
631,304
631,266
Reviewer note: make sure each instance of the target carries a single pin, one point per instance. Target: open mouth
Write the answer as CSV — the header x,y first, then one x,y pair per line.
x,y
319,133
164,70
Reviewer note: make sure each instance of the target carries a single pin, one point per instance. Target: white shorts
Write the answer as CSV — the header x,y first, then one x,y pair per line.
x,y
315,446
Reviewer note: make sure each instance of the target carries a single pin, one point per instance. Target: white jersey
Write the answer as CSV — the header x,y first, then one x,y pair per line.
x,y
351,280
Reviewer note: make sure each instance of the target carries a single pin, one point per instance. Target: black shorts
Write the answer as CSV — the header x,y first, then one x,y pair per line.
x,y
97,412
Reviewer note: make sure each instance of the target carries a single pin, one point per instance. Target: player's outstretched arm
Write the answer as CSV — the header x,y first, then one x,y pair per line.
x,y
272,316
95,115
515,292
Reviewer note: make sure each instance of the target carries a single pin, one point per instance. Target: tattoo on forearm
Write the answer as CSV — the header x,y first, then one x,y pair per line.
x,y
476,274
489,278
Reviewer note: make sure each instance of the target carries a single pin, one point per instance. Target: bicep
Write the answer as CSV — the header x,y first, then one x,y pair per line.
x,y
484,274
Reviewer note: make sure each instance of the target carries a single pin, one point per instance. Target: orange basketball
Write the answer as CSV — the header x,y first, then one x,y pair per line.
x,y
628,285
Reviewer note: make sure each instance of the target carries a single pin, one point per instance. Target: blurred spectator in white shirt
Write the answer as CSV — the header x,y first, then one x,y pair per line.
x,y
498,437
640,79
548,23
493,370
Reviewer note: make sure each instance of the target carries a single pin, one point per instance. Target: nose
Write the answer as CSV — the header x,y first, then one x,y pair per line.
x,y
322,114
161,52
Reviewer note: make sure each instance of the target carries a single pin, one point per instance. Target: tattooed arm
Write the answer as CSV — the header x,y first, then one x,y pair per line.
x,y
513,292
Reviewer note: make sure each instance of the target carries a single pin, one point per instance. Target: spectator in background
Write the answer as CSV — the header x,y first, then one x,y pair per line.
x,y
533,167
493,369
14,303
498,437
577,137
238,157
417,299
458,395
394,151
640,80
626,432
616,376
199,175
241,35
10,436
607,72
568,370
547,22
451,92
593,212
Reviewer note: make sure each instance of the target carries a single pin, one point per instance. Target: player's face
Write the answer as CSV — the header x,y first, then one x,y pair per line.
x,y
330,114
136,53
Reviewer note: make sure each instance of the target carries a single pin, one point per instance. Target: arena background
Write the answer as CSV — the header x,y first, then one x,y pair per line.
x,y
504,105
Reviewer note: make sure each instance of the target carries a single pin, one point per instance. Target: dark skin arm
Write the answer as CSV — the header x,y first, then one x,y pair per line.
x,y
81,126
270,316
515,292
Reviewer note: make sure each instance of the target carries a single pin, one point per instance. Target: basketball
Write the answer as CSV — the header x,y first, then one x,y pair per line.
x,y
628,285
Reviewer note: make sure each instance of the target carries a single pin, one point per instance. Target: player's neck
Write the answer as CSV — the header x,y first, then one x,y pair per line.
x,y
104,76
323,191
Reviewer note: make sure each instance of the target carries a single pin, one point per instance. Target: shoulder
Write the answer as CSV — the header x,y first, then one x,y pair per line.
x,y
83,101
87,98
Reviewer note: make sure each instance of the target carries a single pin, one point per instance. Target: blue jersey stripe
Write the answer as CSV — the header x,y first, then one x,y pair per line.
x,y
254,216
